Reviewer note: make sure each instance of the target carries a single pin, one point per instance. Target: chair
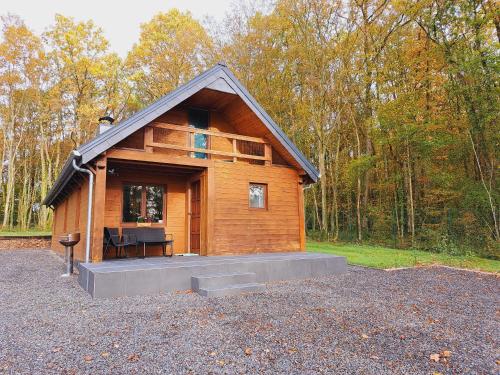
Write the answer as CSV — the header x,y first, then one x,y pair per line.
x,y
151,236
112,238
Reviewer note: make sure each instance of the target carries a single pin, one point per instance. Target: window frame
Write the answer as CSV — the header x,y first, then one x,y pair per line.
x,y
266,196
190,112
144,202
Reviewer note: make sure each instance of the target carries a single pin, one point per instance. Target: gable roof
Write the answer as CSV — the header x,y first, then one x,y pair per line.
x,y
218,78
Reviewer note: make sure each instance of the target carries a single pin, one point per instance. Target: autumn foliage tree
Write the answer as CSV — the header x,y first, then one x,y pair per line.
x,y
396,102
173,47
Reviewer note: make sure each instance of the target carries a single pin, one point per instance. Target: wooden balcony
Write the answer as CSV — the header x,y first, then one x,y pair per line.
x,y
219,145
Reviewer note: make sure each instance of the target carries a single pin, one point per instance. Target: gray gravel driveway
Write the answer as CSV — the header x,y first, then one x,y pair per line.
x,y
365,322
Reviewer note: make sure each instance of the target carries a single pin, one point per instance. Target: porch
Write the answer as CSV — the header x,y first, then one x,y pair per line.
x,y
161,196
164,174
129,277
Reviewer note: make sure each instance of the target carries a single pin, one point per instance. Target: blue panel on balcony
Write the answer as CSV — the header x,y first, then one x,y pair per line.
x,y
199,119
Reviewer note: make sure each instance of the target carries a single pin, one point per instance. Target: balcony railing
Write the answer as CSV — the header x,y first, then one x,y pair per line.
x,y
228,146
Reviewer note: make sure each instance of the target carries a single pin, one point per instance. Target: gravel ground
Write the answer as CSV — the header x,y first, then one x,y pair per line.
x,y
365,322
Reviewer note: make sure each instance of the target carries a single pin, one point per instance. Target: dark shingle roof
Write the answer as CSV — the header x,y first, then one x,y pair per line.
x,y
115,134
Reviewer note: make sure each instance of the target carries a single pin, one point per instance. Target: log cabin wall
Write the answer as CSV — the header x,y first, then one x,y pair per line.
x,y
231,227
236,228
174,202
70,215
240,229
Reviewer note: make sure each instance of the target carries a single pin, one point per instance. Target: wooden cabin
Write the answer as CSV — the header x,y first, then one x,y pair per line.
x,y
205,162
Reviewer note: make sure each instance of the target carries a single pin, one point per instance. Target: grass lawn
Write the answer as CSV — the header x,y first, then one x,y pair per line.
x,y
28,233
383,257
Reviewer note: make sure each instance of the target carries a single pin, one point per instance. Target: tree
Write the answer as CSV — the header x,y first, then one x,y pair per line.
x,y
396,102
173,48
464,34
21,59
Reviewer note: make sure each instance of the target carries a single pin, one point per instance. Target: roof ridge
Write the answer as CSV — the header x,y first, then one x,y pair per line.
x,y
139,119
148,109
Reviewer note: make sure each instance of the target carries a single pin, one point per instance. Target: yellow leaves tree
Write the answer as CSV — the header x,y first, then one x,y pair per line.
x,y
21,61
80,66
84,81
173,48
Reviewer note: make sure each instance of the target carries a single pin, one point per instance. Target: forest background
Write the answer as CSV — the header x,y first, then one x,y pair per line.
x,y
395,102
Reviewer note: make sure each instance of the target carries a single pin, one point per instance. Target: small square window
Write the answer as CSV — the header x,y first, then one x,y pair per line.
x,y
257,195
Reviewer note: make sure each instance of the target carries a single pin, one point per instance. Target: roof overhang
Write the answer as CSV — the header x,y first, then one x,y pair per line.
x,y
218,78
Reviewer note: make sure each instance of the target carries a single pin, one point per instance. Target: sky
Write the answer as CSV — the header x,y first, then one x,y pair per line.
x,y
120,20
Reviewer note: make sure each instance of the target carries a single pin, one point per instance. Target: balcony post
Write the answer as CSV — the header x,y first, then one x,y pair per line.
x,y
235,150
148,138
267,154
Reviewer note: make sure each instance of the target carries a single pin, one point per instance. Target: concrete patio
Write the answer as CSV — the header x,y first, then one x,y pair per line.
x,y
209,276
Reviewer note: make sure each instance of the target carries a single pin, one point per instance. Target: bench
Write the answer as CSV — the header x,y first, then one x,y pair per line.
x,y
149,236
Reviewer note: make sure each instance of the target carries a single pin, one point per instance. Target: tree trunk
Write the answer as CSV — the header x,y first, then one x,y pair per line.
x,y
411,208
358,192
323,186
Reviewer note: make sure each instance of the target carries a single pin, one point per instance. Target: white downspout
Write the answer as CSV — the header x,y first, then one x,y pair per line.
x,y
89,203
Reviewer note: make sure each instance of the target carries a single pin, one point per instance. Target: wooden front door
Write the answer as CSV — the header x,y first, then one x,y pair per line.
x,y
195,216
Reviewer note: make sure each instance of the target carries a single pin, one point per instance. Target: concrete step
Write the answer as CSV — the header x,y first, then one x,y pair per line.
x,y
216,281
231,290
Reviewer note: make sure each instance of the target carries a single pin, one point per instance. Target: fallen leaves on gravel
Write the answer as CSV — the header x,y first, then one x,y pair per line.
x,y
221,362
189,291
435,357
88,358
56,349
365,336
105,354
248,351
432,320
443,356
134,357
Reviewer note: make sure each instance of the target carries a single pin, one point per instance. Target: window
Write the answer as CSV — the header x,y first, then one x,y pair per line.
x,y
257,195
199,119
142,203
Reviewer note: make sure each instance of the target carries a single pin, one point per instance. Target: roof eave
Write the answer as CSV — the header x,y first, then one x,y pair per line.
x,y
64,177
278,132
108,139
